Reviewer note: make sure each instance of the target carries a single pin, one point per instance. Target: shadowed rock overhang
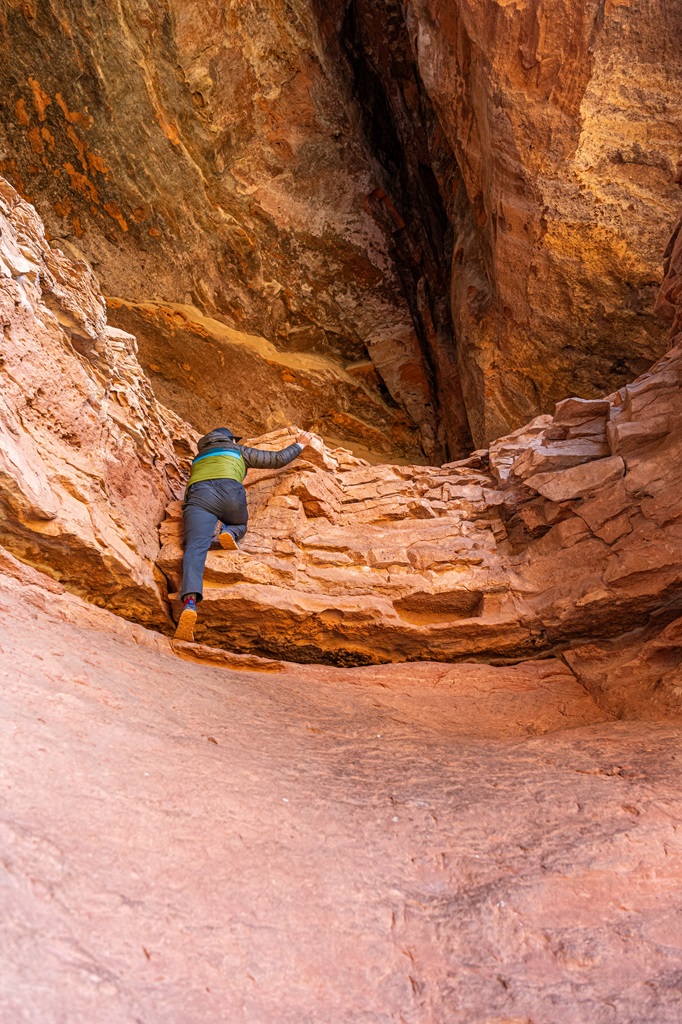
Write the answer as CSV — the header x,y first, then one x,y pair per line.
x,y
461,206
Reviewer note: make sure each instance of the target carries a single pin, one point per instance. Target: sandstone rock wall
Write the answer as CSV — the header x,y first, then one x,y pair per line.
x,y
545,135
213,375
368,43
568,530
88,458
511,827
565,121
462,205
199,153
670,296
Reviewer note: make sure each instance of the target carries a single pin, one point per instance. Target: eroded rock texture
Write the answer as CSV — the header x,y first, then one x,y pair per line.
x,y
199,153
195,833
563,534
212,374
568,530
88,458
670,296
552,131
462,204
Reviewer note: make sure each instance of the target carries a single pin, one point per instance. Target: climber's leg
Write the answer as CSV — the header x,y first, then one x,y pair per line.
x,y
233,513
229,535
188,617
199,527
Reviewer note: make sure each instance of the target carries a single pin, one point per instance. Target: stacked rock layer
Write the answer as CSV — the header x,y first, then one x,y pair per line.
x,y
568,529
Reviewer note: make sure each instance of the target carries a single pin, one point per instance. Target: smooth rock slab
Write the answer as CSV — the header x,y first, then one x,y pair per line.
x,y
188,844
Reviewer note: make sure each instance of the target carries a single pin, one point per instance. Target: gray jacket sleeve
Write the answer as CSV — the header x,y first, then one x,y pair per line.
x,y
257,459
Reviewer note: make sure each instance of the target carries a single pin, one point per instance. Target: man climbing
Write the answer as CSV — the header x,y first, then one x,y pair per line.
x,y
215,492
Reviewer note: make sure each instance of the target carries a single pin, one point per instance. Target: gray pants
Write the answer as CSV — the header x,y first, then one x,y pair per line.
x,y
207,502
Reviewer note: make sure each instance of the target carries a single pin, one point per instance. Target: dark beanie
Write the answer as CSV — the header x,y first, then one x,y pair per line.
x,y
220,434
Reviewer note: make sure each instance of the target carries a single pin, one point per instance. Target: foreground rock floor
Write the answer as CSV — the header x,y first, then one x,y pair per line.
x,y
192,843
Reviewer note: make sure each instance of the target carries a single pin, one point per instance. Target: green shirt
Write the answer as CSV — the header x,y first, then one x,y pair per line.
x,y
226,464
232,462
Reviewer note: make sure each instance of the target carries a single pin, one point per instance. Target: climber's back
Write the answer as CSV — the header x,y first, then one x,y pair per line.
x,y
215,492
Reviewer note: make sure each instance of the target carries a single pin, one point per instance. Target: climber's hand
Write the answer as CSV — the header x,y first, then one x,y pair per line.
x,y
304,438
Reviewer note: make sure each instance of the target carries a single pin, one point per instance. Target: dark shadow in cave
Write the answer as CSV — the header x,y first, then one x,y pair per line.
x,y
368,42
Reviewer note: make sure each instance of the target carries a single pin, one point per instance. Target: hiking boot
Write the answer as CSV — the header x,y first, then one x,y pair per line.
x,y
227,541
185,627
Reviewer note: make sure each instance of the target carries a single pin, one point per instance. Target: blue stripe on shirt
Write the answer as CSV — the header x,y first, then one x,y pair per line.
x,y
233,453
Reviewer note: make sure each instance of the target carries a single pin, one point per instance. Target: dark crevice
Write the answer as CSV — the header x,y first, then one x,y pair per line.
x,y
368,90
369,42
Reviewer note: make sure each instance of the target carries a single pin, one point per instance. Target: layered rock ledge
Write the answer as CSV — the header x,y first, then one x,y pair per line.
x,y
569,529
563,537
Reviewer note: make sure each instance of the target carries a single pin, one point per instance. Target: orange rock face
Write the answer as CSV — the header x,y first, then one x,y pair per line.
x,y
471,197
670,296
568,529
212,374
422,765
88,458
200,153
566,195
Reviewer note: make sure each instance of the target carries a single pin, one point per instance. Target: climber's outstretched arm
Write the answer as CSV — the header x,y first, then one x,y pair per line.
x,y
257,459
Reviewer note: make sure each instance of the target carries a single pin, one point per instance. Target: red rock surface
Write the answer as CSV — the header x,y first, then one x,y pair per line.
x,y
568,530
190,843
480,827
471,196
210,373
88,458
200,153
670,296
565,194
